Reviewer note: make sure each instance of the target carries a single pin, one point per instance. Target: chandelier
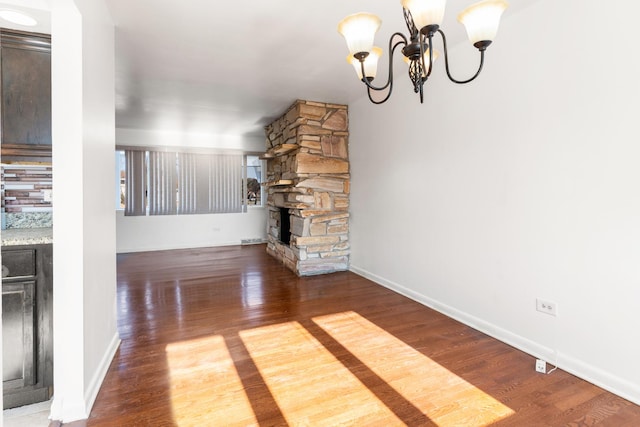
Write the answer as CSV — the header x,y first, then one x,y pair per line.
x,y
423,19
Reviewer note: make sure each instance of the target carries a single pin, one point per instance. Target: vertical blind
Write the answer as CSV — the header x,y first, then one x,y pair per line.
x,y
225,184
184,183
136,177
162,183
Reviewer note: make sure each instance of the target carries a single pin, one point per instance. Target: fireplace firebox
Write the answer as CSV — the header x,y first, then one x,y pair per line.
x,y
285,226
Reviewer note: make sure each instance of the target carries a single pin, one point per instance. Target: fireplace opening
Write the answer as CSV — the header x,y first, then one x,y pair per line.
x,y
285,226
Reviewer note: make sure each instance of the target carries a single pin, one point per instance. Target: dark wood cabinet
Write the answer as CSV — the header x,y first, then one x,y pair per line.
x,y
27,291
25,107
18,327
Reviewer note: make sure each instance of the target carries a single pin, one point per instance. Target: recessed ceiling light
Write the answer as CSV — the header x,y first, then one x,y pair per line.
x,y
19,18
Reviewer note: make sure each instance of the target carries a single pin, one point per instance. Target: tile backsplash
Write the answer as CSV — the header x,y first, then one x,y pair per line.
x,y
27,220
26,196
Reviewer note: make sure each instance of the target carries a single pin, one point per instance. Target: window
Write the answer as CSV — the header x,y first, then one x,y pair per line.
x,y
120,182
177,183
254,178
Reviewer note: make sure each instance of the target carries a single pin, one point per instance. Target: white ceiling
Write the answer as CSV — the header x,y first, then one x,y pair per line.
x,y
216,67
229,68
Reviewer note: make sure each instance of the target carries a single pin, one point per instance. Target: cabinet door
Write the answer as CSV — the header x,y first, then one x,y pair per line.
x,y
18,334
18,263
26,97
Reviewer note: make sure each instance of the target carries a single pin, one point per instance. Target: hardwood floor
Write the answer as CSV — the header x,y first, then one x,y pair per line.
x,y
229,337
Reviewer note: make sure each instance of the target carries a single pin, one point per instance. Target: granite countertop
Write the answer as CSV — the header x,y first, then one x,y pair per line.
x,y
27,236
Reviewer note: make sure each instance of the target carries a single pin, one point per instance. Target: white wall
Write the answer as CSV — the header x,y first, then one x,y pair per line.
x,y
149,233
522,184
85,334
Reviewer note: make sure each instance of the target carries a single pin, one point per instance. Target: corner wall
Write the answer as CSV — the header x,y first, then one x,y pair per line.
x,y
523,184
84,267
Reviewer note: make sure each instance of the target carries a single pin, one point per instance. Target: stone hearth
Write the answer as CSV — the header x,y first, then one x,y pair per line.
x,y
308,175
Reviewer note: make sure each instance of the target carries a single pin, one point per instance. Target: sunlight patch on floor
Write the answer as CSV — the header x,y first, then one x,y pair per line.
x,y
444,397
310,386
205,386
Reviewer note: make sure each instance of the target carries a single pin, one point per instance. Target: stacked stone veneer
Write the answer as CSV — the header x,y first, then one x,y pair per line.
x,y
308,174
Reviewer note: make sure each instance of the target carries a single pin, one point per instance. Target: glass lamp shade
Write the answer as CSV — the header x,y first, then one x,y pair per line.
x,y
482,19
370,63
358,30
425,12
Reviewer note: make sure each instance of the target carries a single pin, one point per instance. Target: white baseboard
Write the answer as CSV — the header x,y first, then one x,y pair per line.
x,y
80,408
171,247
601,378
589,373
94,386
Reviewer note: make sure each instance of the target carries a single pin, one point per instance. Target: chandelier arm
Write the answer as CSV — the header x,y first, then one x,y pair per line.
x,y
446,62
389,84
430,55
429,44
381,101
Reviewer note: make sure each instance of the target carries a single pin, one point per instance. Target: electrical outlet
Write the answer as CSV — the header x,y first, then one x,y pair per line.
x,y
547,307
541,366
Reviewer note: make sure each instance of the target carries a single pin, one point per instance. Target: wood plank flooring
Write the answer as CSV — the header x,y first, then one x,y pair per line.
x,y
229,337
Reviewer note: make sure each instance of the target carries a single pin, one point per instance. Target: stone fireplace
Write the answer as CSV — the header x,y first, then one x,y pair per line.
x,y
308,188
